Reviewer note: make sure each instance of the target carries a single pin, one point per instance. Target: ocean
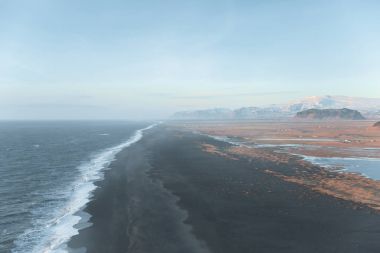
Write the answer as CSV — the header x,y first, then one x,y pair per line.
x,y
47,174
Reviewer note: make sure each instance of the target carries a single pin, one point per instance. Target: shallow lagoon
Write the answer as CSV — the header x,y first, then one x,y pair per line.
x,y
369,167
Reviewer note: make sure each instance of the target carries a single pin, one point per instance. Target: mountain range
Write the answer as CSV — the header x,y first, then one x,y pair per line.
x,y
368,107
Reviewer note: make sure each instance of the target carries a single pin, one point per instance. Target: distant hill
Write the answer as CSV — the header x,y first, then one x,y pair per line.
x,y
320,114
241,113
369,107
377,124
216,113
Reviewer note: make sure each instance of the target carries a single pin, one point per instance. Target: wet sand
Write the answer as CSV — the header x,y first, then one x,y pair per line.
x,y
168,194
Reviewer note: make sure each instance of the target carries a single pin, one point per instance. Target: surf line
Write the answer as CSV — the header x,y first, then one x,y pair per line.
x,y
55,234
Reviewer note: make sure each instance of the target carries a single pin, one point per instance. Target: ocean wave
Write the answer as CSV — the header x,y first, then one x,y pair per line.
x,y
50,233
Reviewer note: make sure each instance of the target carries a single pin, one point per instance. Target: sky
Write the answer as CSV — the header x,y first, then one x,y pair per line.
x,y
120,59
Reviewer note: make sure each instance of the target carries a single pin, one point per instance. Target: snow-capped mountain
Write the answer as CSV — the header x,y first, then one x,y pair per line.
x,y
369,107
241,113
333,102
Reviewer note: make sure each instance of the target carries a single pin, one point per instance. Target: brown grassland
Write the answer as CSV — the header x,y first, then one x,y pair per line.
x,y
341,135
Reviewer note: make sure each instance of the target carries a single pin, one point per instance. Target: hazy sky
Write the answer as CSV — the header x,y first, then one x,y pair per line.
x,y
141,59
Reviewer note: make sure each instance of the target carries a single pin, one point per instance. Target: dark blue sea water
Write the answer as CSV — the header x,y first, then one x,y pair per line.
x,y
47,171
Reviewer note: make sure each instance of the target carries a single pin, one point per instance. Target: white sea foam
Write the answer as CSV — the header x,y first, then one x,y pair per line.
x,y
51,236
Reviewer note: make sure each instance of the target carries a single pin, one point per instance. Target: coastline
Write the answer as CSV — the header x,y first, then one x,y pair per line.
x,y
132,213
167,194
74,218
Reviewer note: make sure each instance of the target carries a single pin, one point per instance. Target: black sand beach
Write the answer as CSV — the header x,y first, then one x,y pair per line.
x,y
165,194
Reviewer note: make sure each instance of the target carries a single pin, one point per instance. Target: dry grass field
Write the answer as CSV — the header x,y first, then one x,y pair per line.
x,y
316,138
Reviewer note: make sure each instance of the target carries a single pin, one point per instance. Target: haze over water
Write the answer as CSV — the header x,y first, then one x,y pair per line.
x,y
64,62
47,170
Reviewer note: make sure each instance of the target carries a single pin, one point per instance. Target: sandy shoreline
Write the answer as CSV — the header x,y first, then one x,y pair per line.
x,y
167,194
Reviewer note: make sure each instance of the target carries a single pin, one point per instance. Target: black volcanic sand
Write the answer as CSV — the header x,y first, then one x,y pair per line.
x,y
164,194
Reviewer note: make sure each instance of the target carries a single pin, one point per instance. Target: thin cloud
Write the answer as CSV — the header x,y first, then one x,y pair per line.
x,y
215,96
